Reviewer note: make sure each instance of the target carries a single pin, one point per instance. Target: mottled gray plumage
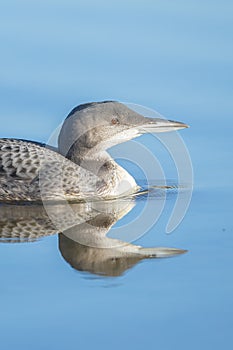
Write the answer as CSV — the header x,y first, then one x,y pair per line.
x,y
80,168
28,168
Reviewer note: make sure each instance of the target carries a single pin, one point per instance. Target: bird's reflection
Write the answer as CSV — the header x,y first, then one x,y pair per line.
x,y
83,243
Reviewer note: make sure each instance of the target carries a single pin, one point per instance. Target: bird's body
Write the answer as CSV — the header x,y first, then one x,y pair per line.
x,y
80,168
28,168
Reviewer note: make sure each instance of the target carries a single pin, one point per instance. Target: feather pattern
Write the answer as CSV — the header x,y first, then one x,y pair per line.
x,y
30,169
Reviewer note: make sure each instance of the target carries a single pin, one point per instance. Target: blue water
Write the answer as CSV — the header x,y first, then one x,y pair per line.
x,y
175,57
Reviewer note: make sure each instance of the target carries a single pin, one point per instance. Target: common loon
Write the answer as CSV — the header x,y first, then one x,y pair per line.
x,y
80,168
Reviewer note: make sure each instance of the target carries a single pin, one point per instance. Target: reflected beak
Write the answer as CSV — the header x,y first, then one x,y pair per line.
x,y
154,125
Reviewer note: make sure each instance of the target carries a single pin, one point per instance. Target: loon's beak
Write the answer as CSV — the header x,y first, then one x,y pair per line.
x,y
154,125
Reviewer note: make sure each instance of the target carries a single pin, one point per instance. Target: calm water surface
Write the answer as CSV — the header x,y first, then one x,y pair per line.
x,y
173,57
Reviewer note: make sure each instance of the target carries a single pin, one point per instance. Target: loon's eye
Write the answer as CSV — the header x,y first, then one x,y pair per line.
x,y
114,121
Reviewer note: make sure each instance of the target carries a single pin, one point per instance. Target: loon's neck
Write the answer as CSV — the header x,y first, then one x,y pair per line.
x,y
113,181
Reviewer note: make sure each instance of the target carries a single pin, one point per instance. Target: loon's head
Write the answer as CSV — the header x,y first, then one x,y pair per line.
x,y
100,125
